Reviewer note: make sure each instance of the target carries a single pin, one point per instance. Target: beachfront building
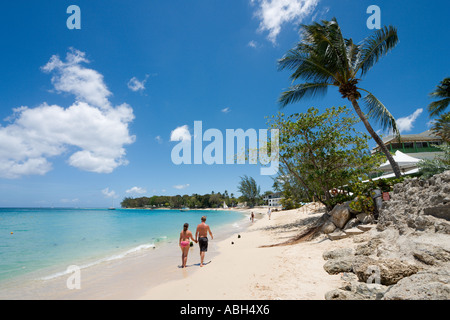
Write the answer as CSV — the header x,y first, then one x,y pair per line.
x,y
409,151
419,146
273,200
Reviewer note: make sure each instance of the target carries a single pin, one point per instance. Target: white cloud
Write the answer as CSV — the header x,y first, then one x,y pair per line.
x,y
181,186
226,110
406,124
109,193
71,77
136,190
180,134
159,139
91,129
135,85
275,13
252,44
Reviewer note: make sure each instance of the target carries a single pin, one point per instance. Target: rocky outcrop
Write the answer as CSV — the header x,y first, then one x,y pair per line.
x,y
421,205
407,256
425,285
383,271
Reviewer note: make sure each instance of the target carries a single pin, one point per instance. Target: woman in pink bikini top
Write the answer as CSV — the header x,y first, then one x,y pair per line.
x,y
184,243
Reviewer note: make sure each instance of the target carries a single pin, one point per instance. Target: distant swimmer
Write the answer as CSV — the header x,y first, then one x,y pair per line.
x,y
202,236
184,243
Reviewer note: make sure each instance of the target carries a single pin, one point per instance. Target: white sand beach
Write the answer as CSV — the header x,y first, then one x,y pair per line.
x,y
243,270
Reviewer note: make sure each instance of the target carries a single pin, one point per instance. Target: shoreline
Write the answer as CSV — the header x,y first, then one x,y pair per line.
x,y
238,268
125,275
244,271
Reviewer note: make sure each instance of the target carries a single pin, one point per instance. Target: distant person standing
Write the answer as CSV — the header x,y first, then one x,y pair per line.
x,y
202,236
269,212
252,216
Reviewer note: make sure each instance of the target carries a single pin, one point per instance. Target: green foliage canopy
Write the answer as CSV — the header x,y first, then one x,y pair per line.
x,y
324,151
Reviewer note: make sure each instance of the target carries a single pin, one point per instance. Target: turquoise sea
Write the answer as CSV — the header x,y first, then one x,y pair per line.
x,y
42,242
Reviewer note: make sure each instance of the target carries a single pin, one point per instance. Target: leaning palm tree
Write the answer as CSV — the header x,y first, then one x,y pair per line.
x,y
442,91
325,58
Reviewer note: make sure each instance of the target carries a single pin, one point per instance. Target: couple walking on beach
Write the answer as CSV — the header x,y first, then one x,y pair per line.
x,y
201,237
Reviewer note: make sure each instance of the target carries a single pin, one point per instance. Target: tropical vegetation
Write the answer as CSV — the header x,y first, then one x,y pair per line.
x,y
321,155
250,190
442,92
212,200
325,58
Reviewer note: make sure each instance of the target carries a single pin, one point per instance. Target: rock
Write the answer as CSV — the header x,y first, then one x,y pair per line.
x,y
406,254
337,235
385,271
420,205
368,248
340,215
424,285
328,227
441,212
338,265
366,227
354,231
352,223
365,218
349,277
337,253
339,294
430,254
358,291
368,291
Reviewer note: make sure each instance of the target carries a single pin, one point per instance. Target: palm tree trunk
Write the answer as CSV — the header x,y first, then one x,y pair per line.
x,y
375,137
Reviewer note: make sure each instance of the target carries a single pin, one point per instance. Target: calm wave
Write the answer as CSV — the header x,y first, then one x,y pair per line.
x,y
33,240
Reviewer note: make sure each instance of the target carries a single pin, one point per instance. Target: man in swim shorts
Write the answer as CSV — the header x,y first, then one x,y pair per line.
x,y
202,236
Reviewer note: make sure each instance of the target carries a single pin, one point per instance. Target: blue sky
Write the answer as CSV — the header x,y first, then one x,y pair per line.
x,y
86,115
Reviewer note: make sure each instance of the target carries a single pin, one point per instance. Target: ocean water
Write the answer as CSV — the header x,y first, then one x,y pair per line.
x,y
43,242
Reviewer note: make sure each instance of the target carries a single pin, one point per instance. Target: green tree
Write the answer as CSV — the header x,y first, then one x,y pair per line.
x,y
441,127
325,58
441,92
322,152
249,189
437,165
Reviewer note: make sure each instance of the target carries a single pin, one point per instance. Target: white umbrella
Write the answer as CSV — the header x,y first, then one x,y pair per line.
x,y
391,175
403,160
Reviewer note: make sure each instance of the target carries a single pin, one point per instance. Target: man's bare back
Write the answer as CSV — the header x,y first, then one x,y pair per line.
x,y
202,236
202,231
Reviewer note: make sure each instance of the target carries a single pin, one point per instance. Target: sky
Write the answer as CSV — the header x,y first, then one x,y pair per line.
x,y
87,115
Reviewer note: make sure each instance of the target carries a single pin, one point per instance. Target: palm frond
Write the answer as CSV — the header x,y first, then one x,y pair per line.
x,y
442,91
437,107
328,44
376,46
307,67
300,91
377,111
353,56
